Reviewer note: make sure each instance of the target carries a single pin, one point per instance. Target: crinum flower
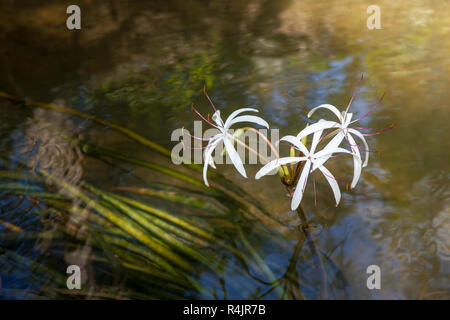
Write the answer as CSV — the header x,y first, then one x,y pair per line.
x,y
342,131
228,139
313,160
225,136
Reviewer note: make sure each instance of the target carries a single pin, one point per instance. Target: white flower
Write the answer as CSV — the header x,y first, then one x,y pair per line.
x,y
313,160
227,139
344,131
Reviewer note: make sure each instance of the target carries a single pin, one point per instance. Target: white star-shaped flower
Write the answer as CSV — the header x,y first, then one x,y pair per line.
x,y
227,139
313,160
343,131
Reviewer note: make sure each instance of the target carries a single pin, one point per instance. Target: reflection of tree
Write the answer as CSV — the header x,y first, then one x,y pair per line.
x,y
130,34
309,273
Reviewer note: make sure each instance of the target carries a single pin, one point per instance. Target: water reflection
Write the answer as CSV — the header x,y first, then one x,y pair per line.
x,y
145,64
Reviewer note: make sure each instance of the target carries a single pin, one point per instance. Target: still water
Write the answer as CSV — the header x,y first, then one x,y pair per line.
x,y
141,65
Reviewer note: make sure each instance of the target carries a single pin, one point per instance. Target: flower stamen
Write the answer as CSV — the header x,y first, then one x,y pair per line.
x,y
354,93
201,116
210,101
195,137
371,109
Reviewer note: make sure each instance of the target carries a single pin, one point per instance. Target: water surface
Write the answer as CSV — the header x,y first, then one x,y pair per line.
x,y
142,64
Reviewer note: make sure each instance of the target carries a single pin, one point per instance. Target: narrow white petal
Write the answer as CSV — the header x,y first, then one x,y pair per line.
x,y
208,160
319,162
205,173
356,160
315,141
335,141
333,183
254,119
366,146
207,155
330,151
329,107
211,162
348,119
323,155
217,119
318,126
235,113
297,143
234,156
212,144
276,163
301,184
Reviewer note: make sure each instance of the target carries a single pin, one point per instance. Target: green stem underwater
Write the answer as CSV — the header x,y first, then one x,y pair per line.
x,y
314,250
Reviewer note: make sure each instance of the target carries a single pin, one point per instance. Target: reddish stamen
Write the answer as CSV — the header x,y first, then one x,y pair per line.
x,y
359,147
192,136
372,151
206,93
354,93
348,141
326,133
193,148
378,131
338,180
371,109
291,164
392,126
203,117
286,143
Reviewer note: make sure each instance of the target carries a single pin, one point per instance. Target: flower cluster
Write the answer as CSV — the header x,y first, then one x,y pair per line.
x,y
339,137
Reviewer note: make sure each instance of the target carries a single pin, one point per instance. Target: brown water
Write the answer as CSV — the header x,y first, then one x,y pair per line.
x,y
142,64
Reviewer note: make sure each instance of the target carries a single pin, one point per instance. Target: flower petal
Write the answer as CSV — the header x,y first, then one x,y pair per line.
x,y
318,126
366,146
329,107
211,159
208,160
333,183
235,113
234,156
254,119
276,163
315,141
330,151
335,141
205,173
356,160
217,119
323,155
296,142
348,119
300,188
